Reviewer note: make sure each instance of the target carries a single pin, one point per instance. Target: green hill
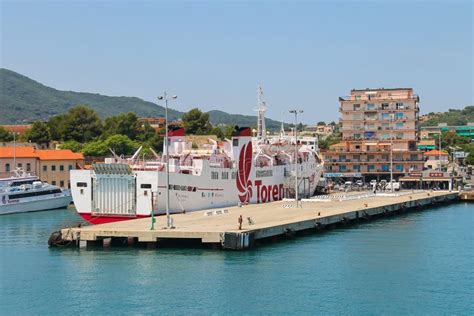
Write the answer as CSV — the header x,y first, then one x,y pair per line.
x,y
24,100
452,117
220,117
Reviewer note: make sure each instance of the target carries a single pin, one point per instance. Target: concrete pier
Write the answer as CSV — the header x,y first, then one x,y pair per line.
x,y
220,227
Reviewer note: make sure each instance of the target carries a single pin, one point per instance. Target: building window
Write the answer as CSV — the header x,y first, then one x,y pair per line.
x,y
61,184
61,168
45,168
53,168
399,115
342,168
385,116
68,184
20,165
7,167
399,167
400,106
357,168
399,126
356,107
53,182
28,167
70,167
371,167
370,106
385,168
385,106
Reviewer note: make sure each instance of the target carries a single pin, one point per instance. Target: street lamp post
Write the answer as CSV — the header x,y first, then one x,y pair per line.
x,y
295,112
168,218
391,154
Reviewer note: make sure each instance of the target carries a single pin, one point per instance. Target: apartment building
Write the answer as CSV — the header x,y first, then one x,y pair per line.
x,y
379,126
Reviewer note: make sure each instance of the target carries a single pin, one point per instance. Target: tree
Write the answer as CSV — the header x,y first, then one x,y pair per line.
x,y
196,122
126,124
330,140
5,135
121,144
229,131
321,123
217,131
38,133
81,124
72,145
56,126
96,149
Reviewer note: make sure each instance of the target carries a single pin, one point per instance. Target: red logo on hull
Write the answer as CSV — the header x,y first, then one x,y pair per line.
x,y
244,185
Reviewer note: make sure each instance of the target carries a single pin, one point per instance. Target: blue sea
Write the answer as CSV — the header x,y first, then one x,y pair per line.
x,y
420,263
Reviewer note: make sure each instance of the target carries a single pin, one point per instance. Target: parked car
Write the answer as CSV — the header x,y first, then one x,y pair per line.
x,y
467,187
359,183
395,184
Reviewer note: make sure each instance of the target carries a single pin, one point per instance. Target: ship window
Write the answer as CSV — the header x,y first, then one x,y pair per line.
x,y
45,168
7,167
214,175
61,168
234,175
145,186
29,194
225,175
81,184
235,142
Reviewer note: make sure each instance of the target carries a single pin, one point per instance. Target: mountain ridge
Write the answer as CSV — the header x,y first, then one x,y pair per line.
x,y
24,100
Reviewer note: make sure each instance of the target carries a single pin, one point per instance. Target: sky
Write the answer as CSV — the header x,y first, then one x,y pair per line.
x,y
213,55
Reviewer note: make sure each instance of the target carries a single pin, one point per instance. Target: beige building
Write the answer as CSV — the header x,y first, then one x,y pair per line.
x,y
376,122
51,166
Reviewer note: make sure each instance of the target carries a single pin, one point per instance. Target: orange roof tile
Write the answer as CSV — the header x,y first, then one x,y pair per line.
x,y
435,152
59,154
42,154
21,152
19,129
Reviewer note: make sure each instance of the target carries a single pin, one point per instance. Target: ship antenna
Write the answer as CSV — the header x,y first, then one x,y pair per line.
x,y
282,129
262,108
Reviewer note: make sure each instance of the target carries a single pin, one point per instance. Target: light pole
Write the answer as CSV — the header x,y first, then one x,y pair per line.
x,y
391,153
168,218
295,112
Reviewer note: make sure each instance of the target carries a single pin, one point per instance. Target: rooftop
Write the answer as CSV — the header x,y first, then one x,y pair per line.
x,y
435,152
42,154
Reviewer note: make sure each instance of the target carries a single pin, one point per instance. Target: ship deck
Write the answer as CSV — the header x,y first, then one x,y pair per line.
x,y
266,220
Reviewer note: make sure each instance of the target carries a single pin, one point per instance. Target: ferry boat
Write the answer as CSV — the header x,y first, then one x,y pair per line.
x,y
241,170
26,193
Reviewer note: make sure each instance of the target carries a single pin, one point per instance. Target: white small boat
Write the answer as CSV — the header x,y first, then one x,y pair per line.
x,y
26,193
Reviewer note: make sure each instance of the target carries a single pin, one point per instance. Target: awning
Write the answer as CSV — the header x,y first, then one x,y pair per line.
x,y
409,180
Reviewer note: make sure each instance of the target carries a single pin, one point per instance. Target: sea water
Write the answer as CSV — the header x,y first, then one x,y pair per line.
x,y
416,263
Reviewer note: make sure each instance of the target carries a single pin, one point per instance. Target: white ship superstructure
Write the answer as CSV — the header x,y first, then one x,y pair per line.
x,y
240,170
26,193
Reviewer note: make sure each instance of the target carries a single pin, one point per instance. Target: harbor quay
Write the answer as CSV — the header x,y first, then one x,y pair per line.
x,y
245,227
